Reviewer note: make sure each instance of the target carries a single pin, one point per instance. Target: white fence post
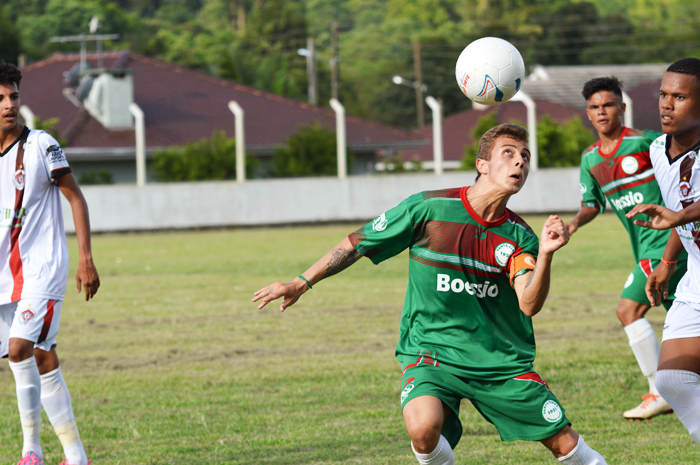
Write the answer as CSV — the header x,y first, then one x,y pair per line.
x,y
28,116
437,133
340,138
629,111
140,144
531,126
238,112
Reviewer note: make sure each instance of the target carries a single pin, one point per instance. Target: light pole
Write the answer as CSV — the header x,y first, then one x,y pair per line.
x,y
310,53
420,88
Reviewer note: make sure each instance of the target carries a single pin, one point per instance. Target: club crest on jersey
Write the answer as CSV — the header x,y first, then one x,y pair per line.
x,y
18,179
686,189
629,165
551,411
503,253
26,316
380,223
583,188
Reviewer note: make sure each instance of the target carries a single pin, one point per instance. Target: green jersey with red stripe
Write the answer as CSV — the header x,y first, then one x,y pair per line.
x,y
625,177
460,310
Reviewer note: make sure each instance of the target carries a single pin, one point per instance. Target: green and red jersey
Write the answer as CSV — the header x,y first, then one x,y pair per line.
x,y
460,311
625,177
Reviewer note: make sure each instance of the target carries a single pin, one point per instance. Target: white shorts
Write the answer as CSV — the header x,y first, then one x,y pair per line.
x,y
35,320
682,320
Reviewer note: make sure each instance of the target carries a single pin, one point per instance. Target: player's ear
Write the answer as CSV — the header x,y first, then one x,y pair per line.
x,y
623,107
482,166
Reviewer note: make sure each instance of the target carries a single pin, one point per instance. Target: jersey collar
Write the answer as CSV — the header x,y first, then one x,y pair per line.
x,y
667,145
623,134
475,216
21,134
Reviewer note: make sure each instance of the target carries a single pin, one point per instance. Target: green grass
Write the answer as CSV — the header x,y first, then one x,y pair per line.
x,y
173,364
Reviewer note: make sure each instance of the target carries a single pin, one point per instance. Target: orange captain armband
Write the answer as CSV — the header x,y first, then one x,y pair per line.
x,y
521,264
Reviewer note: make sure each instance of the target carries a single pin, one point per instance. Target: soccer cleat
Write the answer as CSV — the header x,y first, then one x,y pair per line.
x,y
30,458
65,462
651,406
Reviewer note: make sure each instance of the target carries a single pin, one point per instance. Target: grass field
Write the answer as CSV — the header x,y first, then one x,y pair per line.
x,y
172,363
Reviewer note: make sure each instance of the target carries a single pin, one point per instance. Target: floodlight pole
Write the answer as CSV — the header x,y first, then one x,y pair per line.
x,y
140,144
341,141
238,112
628,116
531,126
437,133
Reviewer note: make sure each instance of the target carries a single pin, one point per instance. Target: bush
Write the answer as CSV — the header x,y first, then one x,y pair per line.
x,y
101,176
558,145
206,160
311,152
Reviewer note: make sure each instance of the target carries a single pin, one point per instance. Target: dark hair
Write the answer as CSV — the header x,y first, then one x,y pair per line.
x,y
687,66
610,84
487,141
9,73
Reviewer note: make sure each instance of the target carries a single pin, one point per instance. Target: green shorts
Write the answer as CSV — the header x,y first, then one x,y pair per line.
x,y
637,280
521,408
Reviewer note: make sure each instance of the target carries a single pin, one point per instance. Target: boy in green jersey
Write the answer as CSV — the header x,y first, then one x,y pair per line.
x,y
477,275
618,168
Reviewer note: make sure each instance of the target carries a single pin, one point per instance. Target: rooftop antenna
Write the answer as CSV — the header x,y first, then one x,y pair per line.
x,y
83,38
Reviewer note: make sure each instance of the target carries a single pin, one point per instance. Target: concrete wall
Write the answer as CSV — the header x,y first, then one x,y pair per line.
x,y
288,201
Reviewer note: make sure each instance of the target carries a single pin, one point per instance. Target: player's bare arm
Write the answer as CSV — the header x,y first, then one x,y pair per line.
x,y
532,287
336,260
656,286
86,278
584,216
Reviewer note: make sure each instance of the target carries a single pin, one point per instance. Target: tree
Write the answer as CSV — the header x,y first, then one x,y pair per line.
x,y
9,37
311,152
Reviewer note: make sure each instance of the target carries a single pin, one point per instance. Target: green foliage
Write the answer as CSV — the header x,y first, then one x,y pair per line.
x,y
206,160
561,145
310,152
101,176
557,145
48,125
395,164
9,37
483,124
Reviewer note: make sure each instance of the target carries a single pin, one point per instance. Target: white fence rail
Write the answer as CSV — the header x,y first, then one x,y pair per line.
x,y
288,201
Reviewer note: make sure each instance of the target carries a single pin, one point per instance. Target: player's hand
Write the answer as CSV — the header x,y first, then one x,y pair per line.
x,y
291,292
555,235
87,278
656,287
661,217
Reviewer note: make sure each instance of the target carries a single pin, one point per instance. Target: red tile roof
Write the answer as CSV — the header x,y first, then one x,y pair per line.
x,y
456,129
183,106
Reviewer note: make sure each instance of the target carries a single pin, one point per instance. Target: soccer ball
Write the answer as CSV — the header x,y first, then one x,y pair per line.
x,y
490,71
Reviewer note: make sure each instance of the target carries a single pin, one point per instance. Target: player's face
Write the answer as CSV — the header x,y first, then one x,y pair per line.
x,y
679,104
9,106
509,164
605,112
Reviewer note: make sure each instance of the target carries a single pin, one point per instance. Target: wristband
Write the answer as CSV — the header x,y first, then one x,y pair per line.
x,y
309,284
668,263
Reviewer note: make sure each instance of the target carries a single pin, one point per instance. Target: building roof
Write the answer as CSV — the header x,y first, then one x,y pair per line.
x,y
563,84
183,106
456,129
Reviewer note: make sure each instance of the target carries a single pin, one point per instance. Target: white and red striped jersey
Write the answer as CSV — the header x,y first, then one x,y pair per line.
x,y
679,181
33,250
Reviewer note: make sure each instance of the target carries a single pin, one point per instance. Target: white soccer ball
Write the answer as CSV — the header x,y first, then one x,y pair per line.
x,y
490,71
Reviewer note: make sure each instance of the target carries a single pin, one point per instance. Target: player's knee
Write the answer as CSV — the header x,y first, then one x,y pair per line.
x,y
20,350
424,436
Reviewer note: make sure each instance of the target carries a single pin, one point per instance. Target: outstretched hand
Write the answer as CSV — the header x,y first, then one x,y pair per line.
x,y
555,235
656,287
291,292
661,217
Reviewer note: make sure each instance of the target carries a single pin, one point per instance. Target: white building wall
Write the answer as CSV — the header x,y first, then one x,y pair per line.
x,y
289,201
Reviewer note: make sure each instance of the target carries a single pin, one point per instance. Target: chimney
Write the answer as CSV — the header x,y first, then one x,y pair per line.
x,y
111,94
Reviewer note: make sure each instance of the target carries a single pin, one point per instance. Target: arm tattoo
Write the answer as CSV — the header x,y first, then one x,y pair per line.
x,y
341,259
532,275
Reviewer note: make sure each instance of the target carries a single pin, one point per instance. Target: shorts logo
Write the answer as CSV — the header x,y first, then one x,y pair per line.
x,y
629,165
19,179
583,188
503,253
551,411
26,316
630,280
380,223
405,392
686,189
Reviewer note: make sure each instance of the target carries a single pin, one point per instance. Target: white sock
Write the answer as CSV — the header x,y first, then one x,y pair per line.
x,y
56,401
681,390
441,455
645,346
28,385
582,455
